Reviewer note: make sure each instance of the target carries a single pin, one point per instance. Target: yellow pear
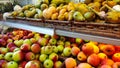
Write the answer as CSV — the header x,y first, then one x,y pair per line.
x,y
66,15
62,11
54,16
61,17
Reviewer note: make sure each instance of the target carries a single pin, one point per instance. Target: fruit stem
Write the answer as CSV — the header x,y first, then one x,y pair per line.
x,y
109,7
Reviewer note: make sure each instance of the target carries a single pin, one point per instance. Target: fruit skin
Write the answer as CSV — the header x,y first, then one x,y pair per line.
x,y
43,57
18,42
48,63
12,64
116,65
102,56
3,63
93,59
67,44
60,48
67,51
78,40
55,49
52,41
2,42
3,50
32,64
29,56
107,62
27,41
22,64
75,51
70,63
35,48
1,56
48,49
8,56
25,47
53,57
81,56
10,44
43,41
105,66
18,56
116,57
84,65
57,64
78,16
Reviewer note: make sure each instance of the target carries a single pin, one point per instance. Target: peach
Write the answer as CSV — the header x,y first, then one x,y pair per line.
x,y
84,65
93,59
70,63
75,50
102,56
116,65
81,56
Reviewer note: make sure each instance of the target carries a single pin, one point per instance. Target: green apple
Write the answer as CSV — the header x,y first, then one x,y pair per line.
x,y
55,49
53,56
48,63
8,56
60,42
67,51
3,50
27,41
16,49
29,56
18,42
48,49
47,36
57,64
67,44
37,36
42,50
1,56
43,57
43,41
60,48
9,40
18,56
52,41
12,64
62,38
78,40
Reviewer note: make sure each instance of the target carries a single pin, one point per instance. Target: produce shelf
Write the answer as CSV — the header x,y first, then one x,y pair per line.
x,y
50,31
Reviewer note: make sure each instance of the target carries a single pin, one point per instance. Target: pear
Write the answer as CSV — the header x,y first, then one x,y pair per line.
x,y
21,14
54,16
70,15
40,13
36,16
66,15
78,16
61,17
43,6
44,1
89,16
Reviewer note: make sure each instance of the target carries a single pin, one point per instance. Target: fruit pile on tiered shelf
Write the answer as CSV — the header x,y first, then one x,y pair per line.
x,y
26,49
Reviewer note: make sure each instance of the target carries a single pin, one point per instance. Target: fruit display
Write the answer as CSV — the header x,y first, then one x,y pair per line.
x,y
26,49
64,10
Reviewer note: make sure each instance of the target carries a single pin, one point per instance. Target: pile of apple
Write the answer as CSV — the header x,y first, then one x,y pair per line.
x,y
26,49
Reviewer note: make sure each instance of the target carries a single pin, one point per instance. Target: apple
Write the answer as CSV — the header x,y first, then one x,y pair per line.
x,y
32,64
60,42
84,65
72,40
116,65
10,44
12,64
43,41
3,63
67,51
30,35
102,56
75,50
25,47
16,49
48,63
18,42
53,57
9,40
107,62
12,48
1,56
62,38
29,56
3,50
43,57
3,42
52,41
78,40
22,64
74,44
60,48
37,36
25,37
57,64
48,49
47,36
81,56
18,56
88,49
93,59
67,44
55,36
105,66
70,63
108,50
116,57
42,50
37,56
27,41
35,48
55,49
8,56
33,40
117,48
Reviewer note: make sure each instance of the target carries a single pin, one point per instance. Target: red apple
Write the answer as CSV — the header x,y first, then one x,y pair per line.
x,y
117,49
116,65
25,47
12,48
35,48
3,63
22,64
75,50
74,44
93,59
3,42
81,56
116,57
105,66
10,44
32,64
107,62
72,40
29,56
30,35
84,65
